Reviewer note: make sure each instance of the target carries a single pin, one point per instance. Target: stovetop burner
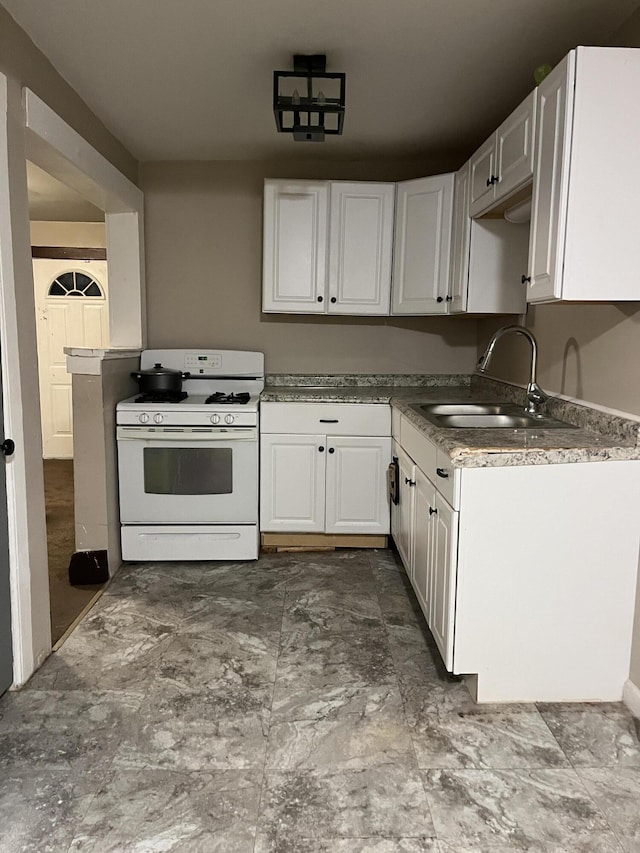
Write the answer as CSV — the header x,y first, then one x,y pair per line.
x,y
221,397
162,397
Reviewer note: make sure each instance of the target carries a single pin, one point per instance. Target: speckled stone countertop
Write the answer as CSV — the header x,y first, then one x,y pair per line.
x,y
600,434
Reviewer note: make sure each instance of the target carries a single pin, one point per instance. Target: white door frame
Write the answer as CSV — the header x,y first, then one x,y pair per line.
x,y
30,129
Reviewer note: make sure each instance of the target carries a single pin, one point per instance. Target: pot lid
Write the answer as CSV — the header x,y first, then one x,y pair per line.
x,y
159,370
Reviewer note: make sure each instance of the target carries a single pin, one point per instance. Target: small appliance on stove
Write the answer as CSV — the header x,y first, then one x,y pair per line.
x,y
188,460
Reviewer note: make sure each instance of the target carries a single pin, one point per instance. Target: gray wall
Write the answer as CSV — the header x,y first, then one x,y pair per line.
x,y
204,271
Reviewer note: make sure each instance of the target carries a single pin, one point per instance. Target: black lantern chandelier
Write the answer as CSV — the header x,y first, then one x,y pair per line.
x,y
309,101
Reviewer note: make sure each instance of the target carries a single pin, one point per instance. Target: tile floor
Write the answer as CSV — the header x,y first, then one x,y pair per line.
x,y
295,705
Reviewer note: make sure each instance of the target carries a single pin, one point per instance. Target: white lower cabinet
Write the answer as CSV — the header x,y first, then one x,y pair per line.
x,y
518,584
425,531
333,481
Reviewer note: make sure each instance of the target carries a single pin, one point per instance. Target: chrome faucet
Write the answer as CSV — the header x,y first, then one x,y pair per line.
x,y
535,395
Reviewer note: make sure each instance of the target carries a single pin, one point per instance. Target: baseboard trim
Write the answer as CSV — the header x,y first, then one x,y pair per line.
x,y
631,697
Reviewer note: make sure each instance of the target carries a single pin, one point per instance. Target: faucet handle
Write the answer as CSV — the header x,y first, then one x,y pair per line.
x,y
535,398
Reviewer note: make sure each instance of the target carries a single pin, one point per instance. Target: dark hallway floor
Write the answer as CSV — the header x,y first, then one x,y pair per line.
x,y
67,601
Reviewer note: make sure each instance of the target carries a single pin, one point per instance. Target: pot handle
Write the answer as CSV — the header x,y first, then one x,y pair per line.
x,y
186,375
135,375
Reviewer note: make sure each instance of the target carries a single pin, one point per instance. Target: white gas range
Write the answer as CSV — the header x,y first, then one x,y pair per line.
x,y
188,466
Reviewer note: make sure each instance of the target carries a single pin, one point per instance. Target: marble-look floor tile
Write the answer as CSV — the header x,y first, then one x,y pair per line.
x,y
156,810
344,572
327,659
69,729
221,729
156,581
494,739
346,744
336,702
542,810
328,610
616,790
346,845
386,801
41,807
595,735
261,614
416,659
267,576
216,659
435,696
400,608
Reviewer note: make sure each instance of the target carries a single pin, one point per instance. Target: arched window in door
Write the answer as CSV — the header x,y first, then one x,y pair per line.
x,y
75,284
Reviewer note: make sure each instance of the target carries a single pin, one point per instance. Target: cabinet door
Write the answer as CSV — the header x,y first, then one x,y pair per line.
x,y
294,247
360,246
443,580
514,148
357,495
482,172
459,279
422,245
292,483
550,186
424,532
404,511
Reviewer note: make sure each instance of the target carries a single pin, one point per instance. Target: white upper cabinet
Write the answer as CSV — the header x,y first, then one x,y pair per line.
x,y
584,234
295,246
360,247
504,163
327,247
422,245
459,276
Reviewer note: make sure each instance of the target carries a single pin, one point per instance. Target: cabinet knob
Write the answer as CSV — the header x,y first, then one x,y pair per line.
x,y
321,448
525,279
332,450
439,299
320,298
333,300
449,298
433,510
409,482
442,472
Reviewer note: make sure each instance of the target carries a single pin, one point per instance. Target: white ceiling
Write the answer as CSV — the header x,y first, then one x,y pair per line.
x,y
49,200
192,79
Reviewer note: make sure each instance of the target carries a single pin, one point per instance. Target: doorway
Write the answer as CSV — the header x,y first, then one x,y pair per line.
x,y
71,309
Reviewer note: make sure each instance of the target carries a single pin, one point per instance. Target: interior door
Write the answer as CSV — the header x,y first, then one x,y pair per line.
x,y
6,644
71,311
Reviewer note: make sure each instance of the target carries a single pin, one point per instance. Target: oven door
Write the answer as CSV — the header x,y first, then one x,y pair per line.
x,y
188,475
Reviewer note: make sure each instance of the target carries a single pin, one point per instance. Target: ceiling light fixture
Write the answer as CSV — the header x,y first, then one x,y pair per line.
x,y
309,101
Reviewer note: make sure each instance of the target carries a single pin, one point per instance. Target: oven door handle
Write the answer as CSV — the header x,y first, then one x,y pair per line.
x,y
186,434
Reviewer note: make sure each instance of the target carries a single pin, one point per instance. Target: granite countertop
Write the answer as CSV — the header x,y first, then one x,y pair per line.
x,y
599,434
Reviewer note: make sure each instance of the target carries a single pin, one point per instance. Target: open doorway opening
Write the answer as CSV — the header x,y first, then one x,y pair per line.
x,y
68,242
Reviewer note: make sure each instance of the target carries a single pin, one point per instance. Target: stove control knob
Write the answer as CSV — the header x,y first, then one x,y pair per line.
x,y
229,419
215,419
144,417
158,418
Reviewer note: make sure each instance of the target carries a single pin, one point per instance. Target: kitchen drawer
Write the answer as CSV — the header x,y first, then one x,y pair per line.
x,y
326,418
423,452
447,479
432,461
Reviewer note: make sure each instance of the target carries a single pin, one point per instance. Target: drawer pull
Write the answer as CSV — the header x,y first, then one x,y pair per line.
x,y
433,511
329,421
442,472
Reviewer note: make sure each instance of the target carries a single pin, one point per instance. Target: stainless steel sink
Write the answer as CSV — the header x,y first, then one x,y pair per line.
x,y
471,415
470,408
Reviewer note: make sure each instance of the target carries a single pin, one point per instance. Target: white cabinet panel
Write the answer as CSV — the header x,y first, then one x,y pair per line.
x,y
356,497
360,247
548,213
442,605
504,163
294,246
404,511
424,533
459,278
292,483
422,245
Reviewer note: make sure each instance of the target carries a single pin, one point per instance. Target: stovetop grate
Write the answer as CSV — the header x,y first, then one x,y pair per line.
x,y
162,397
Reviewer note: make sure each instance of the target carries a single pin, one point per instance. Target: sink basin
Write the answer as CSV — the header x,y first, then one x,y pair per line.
x,y
464,409
482,415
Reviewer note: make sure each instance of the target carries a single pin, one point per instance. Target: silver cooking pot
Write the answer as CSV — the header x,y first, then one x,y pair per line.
x,y
159,379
